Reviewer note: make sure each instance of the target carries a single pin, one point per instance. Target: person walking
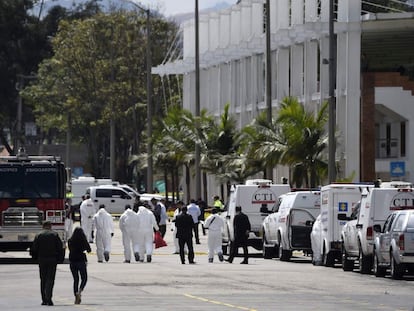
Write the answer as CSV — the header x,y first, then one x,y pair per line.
x,y
78,245
162,224
242,229
185,224
146,226
201,219
218,204
87,211
195,212
128,224
104,225
215,224
47,249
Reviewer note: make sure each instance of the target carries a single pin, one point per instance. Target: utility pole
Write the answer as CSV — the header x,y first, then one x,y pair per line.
x,y
269,168
197,103
332,101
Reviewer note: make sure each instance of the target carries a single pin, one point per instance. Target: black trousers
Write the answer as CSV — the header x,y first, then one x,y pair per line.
x,y
195,229
47,271
189,242
78,268
163,229
234,248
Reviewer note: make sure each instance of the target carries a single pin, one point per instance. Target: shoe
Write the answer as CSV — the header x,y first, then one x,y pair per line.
x,y
149,258
44,303
175,253
141,260
210,260
220,256
136,256
244,262
183,262
50,303
100,261
192,262
77,298
198,242
127,261
106,255
229,261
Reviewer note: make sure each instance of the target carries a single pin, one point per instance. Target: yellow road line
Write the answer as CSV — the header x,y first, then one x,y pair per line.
x,y
218,302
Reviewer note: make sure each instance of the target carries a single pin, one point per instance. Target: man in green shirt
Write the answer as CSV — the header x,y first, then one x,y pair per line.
x,y
218,204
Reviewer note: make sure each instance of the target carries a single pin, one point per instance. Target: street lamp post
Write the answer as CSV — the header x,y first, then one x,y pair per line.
x,y
197,102
269,168
332,103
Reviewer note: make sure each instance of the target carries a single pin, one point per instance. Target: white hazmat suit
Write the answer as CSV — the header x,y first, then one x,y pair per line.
x,y
104,231
215,225
87,211
146,225
128,224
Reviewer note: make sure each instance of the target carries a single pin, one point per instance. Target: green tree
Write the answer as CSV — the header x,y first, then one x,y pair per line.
x,y
98,74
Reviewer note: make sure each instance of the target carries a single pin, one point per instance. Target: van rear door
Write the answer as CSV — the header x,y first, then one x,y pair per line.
x,y
300,228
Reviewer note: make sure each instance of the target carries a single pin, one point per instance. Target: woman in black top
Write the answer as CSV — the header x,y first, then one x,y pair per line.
x,y
78,244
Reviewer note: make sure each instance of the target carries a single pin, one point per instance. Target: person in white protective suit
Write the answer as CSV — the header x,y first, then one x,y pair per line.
x,y
146,225
87,211
104,232
215,224
128,224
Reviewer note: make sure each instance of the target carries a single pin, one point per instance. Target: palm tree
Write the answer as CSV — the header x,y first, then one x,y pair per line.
x,y
304,138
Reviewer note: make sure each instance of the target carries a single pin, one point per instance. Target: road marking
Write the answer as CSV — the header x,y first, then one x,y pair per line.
x,y
218,302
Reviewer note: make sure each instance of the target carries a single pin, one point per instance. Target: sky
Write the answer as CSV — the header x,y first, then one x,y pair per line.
x,y
172,7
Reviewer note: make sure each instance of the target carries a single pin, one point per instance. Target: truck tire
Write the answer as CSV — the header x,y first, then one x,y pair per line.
x,y
327,258
376,268
347,265
397,270
365,264
284,253
267,251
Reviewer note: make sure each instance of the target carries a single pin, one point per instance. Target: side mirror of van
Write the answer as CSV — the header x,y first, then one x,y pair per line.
x,y
342,216
377,228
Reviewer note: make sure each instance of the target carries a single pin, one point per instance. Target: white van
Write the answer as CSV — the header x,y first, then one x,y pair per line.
x,y
257,197
376,205
289,228
114,198
337,203
80,184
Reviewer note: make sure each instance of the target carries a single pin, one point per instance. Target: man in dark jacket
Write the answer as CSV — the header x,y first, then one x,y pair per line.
x,y
184,224
242,228
47,249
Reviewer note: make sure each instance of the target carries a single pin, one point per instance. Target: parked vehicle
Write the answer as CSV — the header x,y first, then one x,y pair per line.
x,y
289,228
114,198
394,245
80,184
357,236
338,201
257,197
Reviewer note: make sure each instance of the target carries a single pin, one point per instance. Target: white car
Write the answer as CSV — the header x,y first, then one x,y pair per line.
x,y
114,198
290,227
394,245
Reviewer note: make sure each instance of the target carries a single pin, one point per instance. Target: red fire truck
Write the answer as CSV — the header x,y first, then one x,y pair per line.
x,y
32,190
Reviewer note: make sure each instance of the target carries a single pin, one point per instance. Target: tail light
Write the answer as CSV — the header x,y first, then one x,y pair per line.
x,y
370,233
401,242
55,216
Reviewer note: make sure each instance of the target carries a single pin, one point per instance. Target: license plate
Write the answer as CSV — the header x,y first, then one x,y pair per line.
x,y
23,238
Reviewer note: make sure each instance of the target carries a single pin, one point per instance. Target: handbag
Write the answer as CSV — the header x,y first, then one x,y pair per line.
x,y
158,240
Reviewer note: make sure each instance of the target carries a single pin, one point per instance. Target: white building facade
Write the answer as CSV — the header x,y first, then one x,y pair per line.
x,y
232,68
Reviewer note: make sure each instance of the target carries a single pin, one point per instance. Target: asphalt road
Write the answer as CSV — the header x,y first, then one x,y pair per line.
x,y
166,284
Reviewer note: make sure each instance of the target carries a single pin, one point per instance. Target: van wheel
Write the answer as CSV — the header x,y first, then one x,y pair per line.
x,y
284,253
397,270
377,269
347,265
267,251
364,263
327,259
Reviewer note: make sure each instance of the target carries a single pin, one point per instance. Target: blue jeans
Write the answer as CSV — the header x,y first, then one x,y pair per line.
x,y
78,268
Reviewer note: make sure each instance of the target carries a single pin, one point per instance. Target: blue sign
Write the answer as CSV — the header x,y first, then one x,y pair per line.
x,y
397,169
343,206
